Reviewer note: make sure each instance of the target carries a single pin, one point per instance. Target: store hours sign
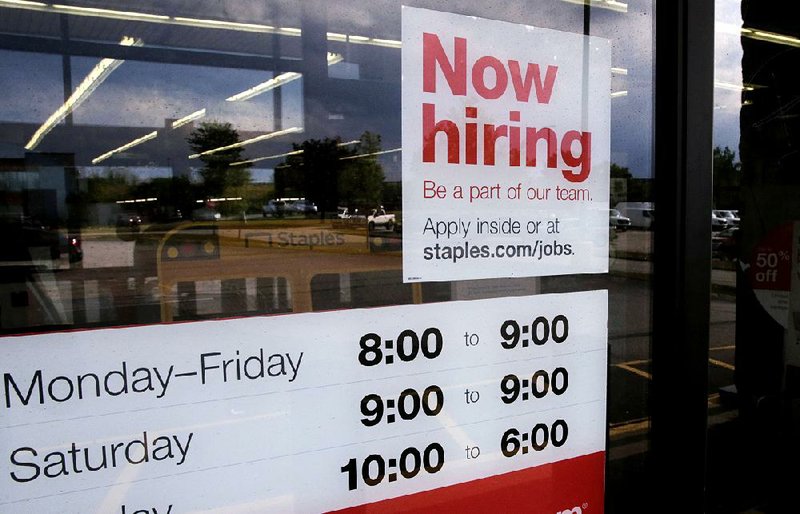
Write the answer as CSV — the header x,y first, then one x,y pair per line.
x,y
505,149
398,407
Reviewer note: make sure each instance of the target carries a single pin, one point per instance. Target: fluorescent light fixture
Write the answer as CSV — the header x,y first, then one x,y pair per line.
x,y
280,80
619,71
246,142
287,154
611,5
21,3
138,200
95,77
109,13
772,37
364,40
618,94
259,159
126,146
283,78
220,24
196,115
732,87
359,156
754,33
148,17
234,25
219,199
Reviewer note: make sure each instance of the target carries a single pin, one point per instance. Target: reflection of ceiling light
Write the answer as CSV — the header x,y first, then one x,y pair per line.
x,y
138,200
754,33
109,13
262,137
771,37
22,3
234,25
188,118
231,199
283,78
364,40
280,80
617,94
619,71
152,18
732,87
148,137
611,5
359,156
259,159
95,77
287,154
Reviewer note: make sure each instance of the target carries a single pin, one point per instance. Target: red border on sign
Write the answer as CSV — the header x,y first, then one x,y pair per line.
x,y
572,485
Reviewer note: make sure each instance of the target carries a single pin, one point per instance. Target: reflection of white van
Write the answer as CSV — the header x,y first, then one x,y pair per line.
x,y
642,214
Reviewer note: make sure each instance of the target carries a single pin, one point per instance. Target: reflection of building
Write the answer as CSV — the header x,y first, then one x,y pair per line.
x,y
38,186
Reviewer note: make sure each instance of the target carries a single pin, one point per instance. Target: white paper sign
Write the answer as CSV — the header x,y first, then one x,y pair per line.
x,y
505,149
307,412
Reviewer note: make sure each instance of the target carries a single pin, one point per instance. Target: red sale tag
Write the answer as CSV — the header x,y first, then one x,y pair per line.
x,y
771,261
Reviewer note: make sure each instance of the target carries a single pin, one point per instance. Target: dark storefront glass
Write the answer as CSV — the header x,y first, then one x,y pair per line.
x,y
155,157
753,427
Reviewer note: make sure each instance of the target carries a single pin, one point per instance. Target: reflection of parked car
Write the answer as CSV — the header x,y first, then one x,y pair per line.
x,y
273,208
641,214
26,239
205,214
379,218
618,221
723,243
302,206
717,222
730,216
129,224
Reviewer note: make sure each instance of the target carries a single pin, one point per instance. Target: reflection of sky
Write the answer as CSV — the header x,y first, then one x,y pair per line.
x,y
31,86
144,94
727,68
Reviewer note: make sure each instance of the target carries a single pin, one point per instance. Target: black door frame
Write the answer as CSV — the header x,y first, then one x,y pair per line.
x,y
684,78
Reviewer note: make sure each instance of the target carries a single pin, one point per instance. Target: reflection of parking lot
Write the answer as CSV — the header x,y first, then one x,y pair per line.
x,y
256,278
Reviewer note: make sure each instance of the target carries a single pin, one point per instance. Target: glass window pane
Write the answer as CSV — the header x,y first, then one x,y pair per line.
x,y
168,163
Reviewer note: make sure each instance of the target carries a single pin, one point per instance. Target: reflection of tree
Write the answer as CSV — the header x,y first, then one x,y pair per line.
x,y
116,185
361,179
727,178
618,171
174,194
636,189
331,174
219,177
